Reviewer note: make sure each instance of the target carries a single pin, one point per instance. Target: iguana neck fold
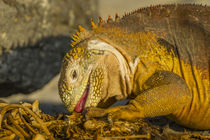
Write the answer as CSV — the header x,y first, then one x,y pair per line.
x,y
126,67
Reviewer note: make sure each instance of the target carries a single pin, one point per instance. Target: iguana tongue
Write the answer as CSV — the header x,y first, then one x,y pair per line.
x,y
81,104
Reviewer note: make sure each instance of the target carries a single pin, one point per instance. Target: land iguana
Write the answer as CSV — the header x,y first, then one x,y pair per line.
x,y
158,57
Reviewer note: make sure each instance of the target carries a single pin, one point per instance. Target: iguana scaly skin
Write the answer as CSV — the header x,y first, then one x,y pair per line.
x,y
159,57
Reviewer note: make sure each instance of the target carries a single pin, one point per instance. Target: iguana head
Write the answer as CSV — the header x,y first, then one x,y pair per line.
x,y
81,75
91,73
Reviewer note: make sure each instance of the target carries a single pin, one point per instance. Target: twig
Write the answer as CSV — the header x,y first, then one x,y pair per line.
x,y
147,136
24,133
27,125
13,130
36,117
10,137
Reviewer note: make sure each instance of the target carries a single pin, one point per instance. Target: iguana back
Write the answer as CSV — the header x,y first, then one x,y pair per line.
x,y
183,28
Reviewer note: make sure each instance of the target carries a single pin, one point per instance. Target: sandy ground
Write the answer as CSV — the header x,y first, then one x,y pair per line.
x,y
48,96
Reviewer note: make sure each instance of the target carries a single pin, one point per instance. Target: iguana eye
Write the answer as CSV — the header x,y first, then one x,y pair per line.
x,y
74,74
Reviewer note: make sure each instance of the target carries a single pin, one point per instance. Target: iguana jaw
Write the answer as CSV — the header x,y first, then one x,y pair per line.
x,y
81,103
80,93
91,95
86,94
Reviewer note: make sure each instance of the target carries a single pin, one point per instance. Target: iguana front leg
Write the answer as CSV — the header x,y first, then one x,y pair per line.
x,y
165,93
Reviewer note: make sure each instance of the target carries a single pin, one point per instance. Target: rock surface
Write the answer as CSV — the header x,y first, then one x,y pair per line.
x,y
34,37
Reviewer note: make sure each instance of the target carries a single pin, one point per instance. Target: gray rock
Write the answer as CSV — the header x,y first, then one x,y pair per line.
x,y
34,37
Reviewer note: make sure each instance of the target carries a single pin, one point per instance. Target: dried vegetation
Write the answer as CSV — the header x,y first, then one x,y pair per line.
x,y
26,121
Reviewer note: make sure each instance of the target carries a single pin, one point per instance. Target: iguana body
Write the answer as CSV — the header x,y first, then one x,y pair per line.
x,y
159,57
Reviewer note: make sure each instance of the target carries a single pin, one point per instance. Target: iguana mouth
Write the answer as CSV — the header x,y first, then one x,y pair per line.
x,y
81,103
